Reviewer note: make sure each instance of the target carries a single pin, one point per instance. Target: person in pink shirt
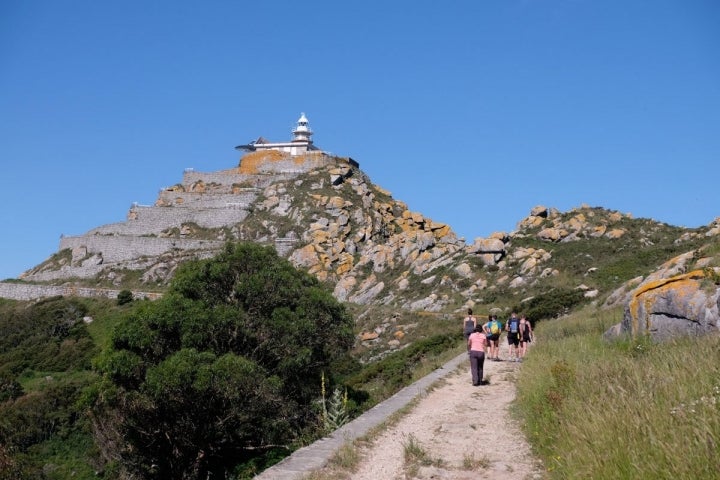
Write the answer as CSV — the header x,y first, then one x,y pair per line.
x,y
477,343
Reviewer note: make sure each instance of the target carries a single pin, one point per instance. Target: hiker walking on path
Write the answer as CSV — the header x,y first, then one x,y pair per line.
x,y
477,342
513,335
526,335
469,324
492,329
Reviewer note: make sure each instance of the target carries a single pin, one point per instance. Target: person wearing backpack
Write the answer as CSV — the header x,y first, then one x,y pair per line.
x,y
492,330
526,335
513,335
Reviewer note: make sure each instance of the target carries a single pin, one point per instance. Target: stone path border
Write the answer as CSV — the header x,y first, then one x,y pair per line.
x,y
317,454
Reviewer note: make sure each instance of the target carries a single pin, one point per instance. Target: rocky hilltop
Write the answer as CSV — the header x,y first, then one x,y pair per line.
x,y
325,215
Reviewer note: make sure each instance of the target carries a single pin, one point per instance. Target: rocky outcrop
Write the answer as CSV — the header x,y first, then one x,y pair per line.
x,y
579,223
490,250
683,304
191,219
713,230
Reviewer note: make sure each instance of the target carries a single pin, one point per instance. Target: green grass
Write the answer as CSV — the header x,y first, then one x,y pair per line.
x,y
415,456
470,462
632,409
346,458
38,381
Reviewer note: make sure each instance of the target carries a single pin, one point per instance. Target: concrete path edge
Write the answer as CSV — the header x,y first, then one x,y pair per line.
x,y
317,454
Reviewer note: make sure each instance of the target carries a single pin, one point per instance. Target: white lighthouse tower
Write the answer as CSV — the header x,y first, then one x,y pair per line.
x,y
302,132
300,144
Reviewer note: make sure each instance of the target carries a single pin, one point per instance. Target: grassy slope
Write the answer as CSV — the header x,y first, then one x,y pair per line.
x,y
626,410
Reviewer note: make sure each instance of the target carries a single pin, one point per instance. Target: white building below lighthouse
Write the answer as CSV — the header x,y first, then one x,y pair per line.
x,y
300,144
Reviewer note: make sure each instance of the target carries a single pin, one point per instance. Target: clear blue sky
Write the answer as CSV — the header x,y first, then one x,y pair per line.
x,y
470,111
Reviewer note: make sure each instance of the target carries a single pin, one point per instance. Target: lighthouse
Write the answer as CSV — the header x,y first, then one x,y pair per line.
x,y
302,132
300,144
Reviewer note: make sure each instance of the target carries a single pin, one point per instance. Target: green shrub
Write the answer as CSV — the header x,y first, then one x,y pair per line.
x,y
551,304
124,296
398,369
49,335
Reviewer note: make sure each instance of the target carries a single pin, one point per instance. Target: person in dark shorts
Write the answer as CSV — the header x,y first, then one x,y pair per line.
x,y
492,330
469,324
526,335
513,335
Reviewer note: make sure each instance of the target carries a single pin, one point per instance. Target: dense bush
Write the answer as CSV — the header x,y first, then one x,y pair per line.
x,y
223,367
43,348
397,369
48,336
124,296
551,304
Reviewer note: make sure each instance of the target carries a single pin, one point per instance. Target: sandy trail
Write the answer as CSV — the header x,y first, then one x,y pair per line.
x,y
467,428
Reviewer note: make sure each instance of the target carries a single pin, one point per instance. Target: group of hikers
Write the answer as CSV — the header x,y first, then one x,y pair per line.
x,y
485,338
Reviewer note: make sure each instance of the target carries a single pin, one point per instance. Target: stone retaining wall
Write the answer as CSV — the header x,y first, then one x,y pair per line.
x,y
22,291
223,177
118,248
207,200
155,220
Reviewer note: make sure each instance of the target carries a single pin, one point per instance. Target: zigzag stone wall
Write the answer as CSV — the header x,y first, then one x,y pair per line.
x,y
119,248
21,291
207,200
154,220
223,177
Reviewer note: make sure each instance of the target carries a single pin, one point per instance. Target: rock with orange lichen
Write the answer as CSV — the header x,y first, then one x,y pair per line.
x,y
684,304
552,234
250,163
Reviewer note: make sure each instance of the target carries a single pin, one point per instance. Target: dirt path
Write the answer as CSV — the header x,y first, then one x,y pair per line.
x,y
454,427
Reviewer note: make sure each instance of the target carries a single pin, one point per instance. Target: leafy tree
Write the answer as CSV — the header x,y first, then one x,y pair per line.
x,y
218,369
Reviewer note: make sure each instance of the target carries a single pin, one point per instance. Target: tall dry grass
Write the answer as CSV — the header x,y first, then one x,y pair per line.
x,y
624,410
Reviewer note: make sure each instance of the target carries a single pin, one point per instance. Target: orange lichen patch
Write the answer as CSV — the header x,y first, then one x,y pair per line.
x,y
615,233
383,191
198,187
405,226
684,284
365,336
309,156
179,200
300,159
249,163
694,275
344,267
442,231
